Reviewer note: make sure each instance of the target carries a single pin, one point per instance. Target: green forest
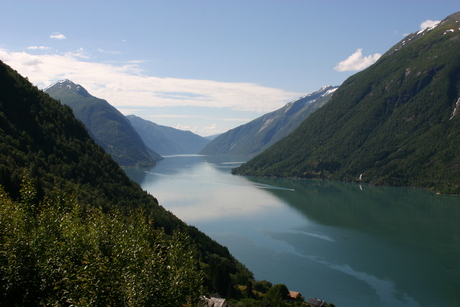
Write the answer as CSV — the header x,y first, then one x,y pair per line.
x,y
395,123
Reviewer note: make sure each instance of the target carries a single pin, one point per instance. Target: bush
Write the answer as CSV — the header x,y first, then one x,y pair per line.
x,y
55,253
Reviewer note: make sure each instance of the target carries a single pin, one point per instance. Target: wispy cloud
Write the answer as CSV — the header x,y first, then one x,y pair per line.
x,y
107,51
174,116
57,35
357,61
428,23
127,86
79,53
207,130
38,48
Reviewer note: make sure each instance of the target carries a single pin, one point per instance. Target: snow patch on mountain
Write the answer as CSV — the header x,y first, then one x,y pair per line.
x,y
329,92
60,83
454,112
427,29
266,123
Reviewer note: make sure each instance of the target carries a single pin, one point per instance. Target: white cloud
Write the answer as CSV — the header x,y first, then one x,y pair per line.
x,y
357,61
107,51
174,116
184,127
79,53
211,130
428,23
57,36
127,86
206,130
38,48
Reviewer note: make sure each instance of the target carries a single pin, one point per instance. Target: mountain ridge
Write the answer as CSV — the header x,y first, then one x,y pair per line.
x,y
167,140
259,134
390,124
108,127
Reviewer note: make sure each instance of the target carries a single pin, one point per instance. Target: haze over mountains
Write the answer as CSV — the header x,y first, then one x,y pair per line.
x,y
395,123
166,140
254,137
131,140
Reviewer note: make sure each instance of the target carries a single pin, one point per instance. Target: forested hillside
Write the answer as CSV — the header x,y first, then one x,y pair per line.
x,y
395,123
166,140
108,127
259,134
75,230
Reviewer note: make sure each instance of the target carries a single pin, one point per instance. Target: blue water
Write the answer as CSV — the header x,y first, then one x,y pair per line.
x,y
348,244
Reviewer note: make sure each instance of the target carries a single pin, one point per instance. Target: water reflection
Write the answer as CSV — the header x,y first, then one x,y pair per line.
x,y
393,212
200,188
350,244
401,241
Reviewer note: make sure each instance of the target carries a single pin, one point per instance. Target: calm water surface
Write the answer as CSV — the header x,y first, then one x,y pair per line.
x,y
349,244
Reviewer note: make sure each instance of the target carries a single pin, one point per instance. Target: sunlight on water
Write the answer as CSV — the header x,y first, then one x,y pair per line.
x,y
352,245
200,192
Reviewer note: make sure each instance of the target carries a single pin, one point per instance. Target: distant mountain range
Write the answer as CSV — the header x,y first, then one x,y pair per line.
x,y
254,137
166,140
395,123
106,125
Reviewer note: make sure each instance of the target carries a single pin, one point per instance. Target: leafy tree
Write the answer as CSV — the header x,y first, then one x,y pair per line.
x,y
262,286
249,289
56,253
277,295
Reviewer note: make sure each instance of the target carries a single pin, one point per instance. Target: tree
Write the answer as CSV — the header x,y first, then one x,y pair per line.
x,y
277,295
249,289
56,253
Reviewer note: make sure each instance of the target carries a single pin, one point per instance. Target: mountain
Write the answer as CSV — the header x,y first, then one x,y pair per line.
x,y
256,136
212,137
166,140
394,123
105,124
74,229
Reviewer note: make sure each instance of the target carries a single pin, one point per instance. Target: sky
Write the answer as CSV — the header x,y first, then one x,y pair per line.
x,y
204,65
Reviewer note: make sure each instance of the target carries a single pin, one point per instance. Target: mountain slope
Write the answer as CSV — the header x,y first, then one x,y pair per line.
x,y
106,125
42,140
166,140
395,123
256,136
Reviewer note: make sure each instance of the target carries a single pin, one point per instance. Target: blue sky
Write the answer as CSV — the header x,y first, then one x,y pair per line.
x,y
204,65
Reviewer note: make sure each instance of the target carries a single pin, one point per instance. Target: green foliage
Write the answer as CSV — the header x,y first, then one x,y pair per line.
x,y
262,286
43,139
391,124
62,255
263,294
277,295
249,289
